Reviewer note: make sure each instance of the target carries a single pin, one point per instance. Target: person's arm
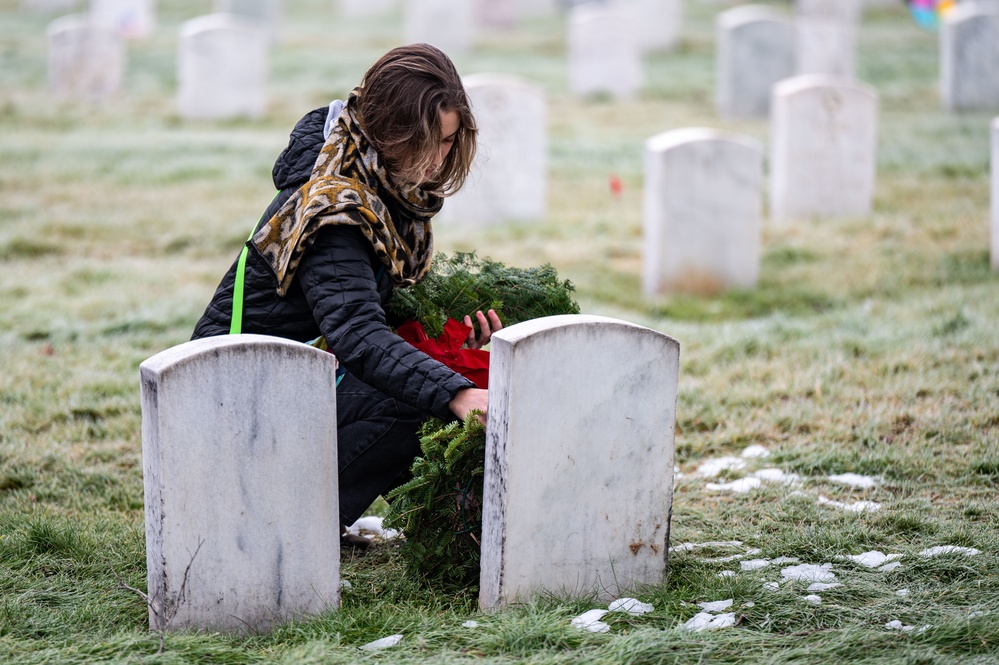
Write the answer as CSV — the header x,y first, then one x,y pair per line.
x,y
338,281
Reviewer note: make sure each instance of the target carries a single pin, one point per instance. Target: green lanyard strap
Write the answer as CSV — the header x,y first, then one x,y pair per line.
x,y
236,326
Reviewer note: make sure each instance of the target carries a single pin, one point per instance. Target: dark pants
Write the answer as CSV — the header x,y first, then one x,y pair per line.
x,y
377,442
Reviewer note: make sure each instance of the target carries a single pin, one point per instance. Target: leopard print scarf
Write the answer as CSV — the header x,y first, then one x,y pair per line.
x,y
347,184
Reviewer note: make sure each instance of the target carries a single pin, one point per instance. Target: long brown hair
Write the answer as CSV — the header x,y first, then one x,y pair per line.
x,y
400,101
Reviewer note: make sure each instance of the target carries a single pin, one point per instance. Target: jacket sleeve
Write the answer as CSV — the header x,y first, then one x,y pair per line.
x,y
339,283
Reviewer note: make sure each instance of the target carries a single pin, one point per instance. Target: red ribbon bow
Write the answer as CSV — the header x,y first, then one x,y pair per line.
x,y
470,363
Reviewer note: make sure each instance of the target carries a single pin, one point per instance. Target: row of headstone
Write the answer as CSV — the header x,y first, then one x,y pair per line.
x,y
703,188
239,457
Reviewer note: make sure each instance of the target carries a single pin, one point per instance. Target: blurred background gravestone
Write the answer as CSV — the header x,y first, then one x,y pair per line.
x,y
969,58
755,49
355,8
603,50
132,19
823,151
268,12
578,481
703,214
447,24
239,466
86,61
48,5
509,179
222,67
660,22
496,14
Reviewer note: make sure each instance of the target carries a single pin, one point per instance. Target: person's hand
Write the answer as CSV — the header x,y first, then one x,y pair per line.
x,y
470,399
487,326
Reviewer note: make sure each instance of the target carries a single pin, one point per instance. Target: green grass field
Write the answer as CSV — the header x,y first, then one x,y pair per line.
x,y
870,346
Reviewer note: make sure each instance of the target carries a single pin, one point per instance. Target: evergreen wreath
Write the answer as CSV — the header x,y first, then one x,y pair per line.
x,y
462,283
440,508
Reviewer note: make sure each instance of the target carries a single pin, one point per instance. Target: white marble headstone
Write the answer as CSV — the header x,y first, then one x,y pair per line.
x,y
353,8
447,24
132,19
825,46
222,67
995,194
703,212
85,61
660,22
269,12
841,10
48,5
239,459
579,459
604,52
537,7
755,50
493,14
509,179
969,58
823,133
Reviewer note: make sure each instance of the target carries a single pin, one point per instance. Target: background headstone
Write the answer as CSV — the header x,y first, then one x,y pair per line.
x,y
995,194
703,212
268,12
537,7
239,458
85,61
447,24
492,14
132,19
755,50
840,10
509,179
823,133
660,22
825,46
48,5
365,7
604,52
969,58
222,67
578,479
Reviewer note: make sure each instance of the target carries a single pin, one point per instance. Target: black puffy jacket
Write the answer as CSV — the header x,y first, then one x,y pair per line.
x,y
339,291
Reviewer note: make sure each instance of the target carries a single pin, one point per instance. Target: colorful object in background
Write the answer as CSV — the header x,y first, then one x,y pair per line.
x,y
927,13
615,185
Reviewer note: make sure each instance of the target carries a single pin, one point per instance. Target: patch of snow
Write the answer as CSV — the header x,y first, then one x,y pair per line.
x,y
372,524
754,451
384,642
855,507
686,547
723,559
749,603
345,585
785,559
632,606
897,625
754,564
471,623
708,621
712,467
902,592
949,549
822,586
809,572
715,605
771,475
871,559
591,621
771,586
753,551
888,567
854,480
813,599
740,486
726,573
